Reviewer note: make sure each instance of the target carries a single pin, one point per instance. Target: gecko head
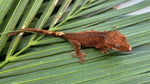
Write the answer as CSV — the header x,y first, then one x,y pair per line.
x,y
115,40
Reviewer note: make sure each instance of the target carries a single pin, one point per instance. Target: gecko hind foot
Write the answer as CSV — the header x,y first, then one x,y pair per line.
x,y
79,54
81,57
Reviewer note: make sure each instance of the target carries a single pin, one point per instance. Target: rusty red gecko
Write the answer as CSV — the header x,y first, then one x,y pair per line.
x,y
101,40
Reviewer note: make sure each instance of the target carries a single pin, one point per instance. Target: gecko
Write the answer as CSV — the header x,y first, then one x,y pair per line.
x,y
103,41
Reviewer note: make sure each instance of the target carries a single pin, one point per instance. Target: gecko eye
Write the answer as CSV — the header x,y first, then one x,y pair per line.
x,y
124,37
117,46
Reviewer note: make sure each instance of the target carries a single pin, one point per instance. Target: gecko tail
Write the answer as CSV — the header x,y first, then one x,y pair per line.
x,y
13,33
59,34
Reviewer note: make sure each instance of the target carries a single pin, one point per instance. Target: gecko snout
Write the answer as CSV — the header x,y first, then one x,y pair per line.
x,y
127,49
130,48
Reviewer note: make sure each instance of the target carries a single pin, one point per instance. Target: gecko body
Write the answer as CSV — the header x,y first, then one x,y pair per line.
x,y
101,40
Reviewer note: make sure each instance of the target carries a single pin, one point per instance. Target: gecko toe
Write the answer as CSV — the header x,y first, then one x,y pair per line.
x,y
74,55
102,52
107,53
105,50
81,57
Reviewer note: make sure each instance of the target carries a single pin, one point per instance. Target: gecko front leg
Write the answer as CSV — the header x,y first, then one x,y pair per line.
x,y
77,46
105,50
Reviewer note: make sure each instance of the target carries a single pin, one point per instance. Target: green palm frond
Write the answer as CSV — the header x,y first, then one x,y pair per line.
x,y
39,59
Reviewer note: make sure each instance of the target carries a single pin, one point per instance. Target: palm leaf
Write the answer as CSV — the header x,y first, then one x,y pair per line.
x,y
35,58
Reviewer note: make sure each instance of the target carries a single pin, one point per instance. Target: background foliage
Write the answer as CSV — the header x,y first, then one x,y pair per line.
x,y
35,58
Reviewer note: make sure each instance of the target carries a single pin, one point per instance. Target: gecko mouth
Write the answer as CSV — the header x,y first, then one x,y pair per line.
x,y
124,50
115,49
